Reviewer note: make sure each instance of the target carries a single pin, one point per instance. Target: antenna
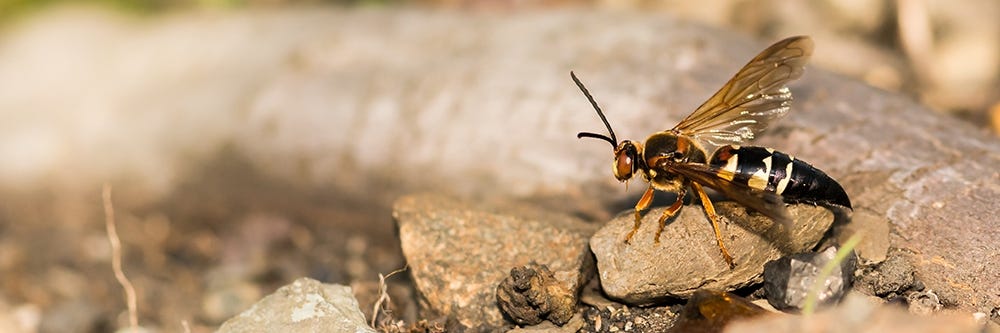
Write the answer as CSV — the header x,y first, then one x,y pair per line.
x,y
613,140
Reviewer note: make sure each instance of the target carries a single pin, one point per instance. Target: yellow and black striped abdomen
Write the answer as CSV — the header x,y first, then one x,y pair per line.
x,y
773,171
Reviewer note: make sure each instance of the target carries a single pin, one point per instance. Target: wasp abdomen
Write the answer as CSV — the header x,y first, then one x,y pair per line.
x,y
773,171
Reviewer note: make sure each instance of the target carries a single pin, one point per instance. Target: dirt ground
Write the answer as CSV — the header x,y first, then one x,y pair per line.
x,y
225,236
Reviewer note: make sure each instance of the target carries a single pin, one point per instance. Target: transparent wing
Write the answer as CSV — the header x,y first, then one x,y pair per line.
x,y
767,203
752,98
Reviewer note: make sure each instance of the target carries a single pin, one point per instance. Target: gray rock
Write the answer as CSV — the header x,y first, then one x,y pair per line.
x,y
788,280
458,253
305,305
688,258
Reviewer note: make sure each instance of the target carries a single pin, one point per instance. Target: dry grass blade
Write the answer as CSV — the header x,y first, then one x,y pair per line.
x,y
813,297
116,258
383,294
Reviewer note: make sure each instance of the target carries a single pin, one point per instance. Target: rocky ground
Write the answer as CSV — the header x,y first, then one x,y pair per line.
x,y
344,145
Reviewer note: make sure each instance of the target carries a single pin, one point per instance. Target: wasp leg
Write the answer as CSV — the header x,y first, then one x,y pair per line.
x,y
710,211
640,206
671,211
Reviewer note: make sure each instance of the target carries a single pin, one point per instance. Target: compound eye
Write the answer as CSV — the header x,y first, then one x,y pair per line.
x,y
623,165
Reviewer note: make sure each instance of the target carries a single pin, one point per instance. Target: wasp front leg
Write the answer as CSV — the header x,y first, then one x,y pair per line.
x,y
640,206
712,216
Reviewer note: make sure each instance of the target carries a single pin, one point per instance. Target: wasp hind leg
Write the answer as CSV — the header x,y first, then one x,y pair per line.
x,y
712,216
640,206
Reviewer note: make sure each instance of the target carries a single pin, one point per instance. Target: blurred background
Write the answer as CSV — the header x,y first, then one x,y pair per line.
x,y
183,107
942,53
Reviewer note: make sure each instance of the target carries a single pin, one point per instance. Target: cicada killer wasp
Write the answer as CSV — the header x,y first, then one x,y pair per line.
x,y
760,178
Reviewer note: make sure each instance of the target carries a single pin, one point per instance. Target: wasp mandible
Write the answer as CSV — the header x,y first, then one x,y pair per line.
x,y
760,178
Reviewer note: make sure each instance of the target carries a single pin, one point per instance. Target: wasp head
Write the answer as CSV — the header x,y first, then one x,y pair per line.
x,y
627,155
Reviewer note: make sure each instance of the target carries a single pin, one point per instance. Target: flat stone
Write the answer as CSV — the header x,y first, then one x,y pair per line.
x,y
458,253
872,227
688,258
873,247
305,305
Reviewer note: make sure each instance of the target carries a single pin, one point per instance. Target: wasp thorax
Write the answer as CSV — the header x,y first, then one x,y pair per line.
x,y
627,161
665,147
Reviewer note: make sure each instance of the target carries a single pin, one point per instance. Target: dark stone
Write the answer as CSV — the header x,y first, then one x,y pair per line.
x,y
531,294
787,281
